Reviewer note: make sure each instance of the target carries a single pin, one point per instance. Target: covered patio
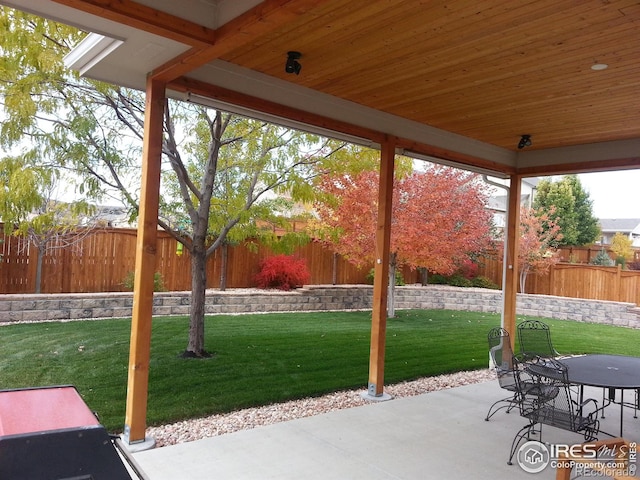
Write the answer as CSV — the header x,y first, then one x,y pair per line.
x,y
440,434
511,90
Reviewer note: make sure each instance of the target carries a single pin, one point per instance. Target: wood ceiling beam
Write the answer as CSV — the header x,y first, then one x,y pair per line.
x,y
260,20
464,160
188,85
148,19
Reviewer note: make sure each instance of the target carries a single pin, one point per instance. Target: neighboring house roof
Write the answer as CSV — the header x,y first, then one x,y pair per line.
x,y
111,216
622,225
532,182
498,203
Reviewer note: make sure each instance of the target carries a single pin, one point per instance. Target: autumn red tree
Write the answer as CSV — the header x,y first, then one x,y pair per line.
x,y
438,218
539,231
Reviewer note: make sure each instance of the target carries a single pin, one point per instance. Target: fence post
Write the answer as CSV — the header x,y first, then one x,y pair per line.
x,y
334,272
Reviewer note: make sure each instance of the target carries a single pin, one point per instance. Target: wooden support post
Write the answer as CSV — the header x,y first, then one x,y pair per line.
x,y
140,347
512,237
381,270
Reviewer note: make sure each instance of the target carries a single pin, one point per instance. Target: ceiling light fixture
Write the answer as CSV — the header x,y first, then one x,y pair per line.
x,y
525,141
599,66
292,65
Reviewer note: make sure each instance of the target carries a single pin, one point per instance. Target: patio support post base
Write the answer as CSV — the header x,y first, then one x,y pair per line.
x,y
371,396
147,444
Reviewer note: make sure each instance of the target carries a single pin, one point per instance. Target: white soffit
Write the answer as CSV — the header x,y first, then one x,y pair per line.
x,y
580,154
129,64
208,13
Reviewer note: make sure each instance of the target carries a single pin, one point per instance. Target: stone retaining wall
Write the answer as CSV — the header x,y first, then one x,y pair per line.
x,y
31,308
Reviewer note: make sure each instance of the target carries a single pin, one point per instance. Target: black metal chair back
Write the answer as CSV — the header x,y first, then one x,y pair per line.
x,y
501,355
535,339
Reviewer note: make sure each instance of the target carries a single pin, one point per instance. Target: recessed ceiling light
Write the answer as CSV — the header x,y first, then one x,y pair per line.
x,y
599,66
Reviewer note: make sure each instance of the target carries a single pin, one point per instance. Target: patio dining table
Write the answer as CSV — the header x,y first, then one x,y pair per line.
x,y
610,372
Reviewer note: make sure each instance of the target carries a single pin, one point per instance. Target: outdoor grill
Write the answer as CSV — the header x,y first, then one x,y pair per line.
x,y
50,432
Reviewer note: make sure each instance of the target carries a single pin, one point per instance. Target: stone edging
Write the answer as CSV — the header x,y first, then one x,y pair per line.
x,y
50,307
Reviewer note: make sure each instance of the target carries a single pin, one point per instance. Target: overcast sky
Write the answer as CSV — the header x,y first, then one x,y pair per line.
x,y
614,194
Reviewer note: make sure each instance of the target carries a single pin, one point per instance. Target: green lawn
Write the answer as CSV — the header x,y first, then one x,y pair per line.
x,y
261,359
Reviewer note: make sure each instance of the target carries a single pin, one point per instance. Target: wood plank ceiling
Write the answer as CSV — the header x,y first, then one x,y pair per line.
x,y
490,70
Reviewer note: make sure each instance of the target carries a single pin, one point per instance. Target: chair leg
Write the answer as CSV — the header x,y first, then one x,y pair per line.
x,y
511,403
591,432
523,434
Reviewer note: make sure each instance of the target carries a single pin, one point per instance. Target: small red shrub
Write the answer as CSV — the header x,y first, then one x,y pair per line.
x,y
282,272
469,269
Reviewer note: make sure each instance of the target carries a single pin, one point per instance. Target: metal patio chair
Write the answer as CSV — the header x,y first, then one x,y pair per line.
x,y
551,401
501,355
534,337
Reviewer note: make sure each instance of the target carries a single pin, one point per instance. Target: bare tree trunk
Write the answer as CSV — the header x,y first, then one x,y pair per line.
x,y
195,347
424,276
224,262
523,278
39,260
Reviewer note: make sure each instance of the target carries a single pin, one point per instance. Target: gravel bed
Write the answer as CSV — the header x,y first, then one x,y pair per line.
x,y
211,426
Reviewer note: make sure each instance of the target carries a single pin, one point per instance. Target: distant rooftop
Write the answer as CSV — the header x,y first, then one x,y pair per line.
x,y
622,225
499,202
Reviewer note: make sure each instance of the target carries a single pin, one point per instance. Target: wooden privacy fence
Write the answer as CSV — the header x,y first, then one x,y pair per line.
x,y
99,262
576,280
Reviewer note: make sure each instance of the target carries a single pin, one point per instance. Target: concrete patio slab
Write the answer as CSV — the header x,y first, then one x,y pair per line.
x,y
435,435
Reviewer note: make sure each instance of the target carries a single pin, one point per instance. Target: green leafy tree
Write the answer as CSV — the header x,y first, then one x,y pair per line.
x,y
20,189
221,171
27,209
573,210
